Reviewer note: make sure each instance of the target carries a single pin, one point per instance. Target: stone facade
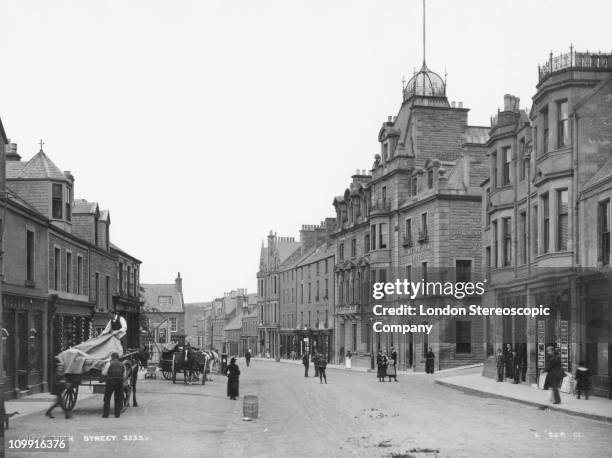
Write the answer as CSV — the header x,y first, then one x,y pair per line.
x,y
545,218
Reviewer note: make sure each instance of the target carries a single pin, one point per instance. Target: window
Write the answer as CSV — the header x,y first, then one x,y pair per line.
x,y
562,219
301,293
424,271
97,288
507,157
354,335
318,268
309,315
562,124
603,217
507,236
536,231
414,185
366,243
382,275
409,273
129,279
495,237
487,205
79,275
309,292
326,288
522,159
341,252
430,179
56,201
423,235
493,170
273,283
384,196
384,236
408,234
373,236
173,324
546,227
463,270
56,269
108,292
523,230
68,272
544,114
463,336
488,260
353,248
68,200
29,255
96,231
535,141
121,280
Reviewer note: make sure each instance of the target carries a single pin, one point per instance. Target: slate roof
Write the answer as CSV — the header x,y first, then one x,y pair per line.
x,y
602,174
81,206
39,167
172,302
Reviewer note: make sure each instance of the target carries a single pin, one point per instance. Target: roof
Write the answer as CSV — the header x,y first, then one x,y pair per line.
x,y
81,206
123,252
39,167
476,134
235,324
604,173
162,298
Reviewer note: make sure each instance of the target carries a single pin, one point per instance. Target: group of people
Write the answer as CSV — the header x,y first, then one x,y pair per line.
x,y
386,365
320,364
512,363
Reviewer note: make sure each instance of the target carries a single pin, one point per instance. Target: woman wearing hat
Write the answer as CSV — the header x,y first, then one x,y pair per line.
x,y
233,375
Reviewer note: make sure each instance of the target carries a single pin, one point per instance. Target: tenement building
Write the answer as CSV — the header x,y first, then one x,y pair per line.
x,y
415,216
546,219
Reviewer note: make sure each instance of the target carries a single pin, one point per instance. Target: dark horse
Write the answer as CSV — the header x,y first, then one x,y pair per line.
x,y
132,362
185,361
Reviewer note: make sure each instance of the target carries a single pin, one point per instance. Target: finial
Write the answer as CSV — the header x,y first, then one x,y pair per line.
x,y
41,143
423,33
445,75
403,82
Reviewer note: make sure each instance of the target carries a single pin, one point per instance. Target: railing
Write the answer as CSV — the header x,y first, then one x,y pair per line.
x,y
407,241
575,60
347,309
423,236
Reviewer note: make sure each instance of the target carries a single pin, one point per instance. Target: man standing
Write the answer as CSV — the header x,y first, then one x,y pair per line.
x,y
322,364
113,371
315,360
394,358
247,356
499,362
306,363
555,373
117,327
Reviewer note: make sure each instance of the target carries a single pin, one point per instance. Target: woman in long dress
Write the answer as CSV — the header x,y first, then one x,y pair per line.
x,y
429,363
233,375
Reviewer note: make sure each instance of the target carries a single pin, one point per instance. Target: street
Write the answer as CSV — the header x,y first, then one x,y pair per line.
x,y
353,414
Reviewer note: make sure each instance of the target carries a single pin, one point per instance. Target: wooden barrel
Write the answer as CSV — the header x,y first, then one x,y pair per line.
x,y
250,407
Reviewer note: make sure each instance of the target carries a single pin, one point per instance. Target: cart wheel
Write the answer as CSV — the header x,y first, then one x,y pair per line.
x,y
69,398
166,374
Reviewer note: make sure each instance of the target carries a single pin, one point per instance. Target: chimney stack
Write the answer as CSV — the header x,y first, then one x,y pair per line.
x,y
179,283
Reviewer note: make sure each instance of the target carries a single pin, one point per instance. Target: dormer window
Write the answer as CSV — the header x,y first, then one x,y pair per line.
x,y
414,185
56,201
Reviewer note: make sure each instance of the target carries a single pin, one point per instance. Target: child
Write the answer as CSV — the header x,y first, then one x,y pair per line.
x,y
583,380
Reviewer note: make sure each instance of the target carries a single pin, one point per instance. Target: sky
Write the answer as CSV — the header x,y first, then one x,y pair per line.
x,y
203,125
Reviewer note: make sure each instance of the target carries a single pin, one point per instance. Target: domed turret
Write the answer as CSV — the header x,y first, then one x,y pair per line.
x,y
425,83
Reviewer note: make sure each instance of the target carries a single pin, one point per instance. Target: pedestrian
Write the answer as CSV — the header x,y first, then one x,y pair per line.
x,y
430,362
347,360
247,356
554,374
509,362
59,385
233,379
583,380
306,363
516,368
322,362
392,370
394,358
385,364
315,360
113,371
380,367
145,355
500,363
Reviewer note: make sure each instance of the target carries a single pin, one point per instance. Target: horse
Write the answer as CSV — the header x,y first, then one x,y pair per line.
x,y
185,361
132,363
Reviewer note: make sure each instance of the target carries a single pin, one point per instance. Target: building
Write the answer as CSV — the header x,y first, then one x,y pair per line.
x,y
165,311
128,294
195,313
546,218
414,216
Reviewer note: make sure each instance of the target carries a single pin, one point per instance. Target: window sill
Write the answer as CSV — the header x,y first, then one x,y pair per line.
x,y
29,284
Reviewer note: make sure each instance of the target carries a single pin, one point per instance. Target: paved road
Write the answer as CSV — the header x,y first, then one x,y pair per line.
x,y
353,415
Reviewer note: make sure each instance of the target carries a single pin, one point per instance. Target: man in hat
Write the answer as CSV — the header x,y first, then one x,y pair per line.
x,y
113,371
117,326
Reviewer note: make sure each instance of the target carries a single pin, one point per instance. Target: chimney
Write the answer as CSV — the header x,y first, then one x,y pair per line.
x,y
453,104
507,102
389,118
179,283
460,104
11,152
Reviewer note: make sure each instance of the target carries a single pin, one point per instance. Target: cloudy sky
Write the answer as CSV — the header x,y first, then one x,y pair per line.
x,y
202,125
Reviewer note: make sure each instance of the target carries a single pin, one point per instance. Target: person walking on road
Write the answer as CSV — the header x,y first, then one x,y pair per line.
x,y
113,371
583,380
315,360
233,379
379,366
58,387
247,356
554,373
500,363
306,363
322,363
430,362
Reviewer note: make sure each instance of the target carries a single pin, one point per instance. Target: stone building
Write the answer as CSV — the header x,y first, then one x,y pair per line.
x,y
546,218
164,309
415,216
127,297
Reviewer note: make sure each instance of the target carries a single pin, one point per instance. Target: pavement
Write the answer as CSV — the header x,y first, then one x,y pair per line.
x,y
596,408
352,415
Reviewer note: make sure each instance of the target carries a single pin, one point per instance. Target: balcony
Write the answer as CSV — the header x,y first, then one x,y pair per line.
x,y
407,242
423,236
347,309
580,61
381,206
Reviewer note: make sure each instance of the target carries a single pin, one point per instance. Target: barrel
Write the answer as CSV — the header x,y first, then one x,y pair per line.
x,y
250,407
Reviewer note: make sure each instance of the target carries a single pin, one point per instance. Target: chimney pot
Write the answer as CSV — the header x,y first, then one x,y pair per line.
x,y
460,104
507,102
389,118
453,104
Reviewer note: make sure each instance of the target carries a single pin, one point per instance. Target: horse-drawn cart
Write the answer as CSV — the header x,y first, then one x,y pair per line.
x,y
191,361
